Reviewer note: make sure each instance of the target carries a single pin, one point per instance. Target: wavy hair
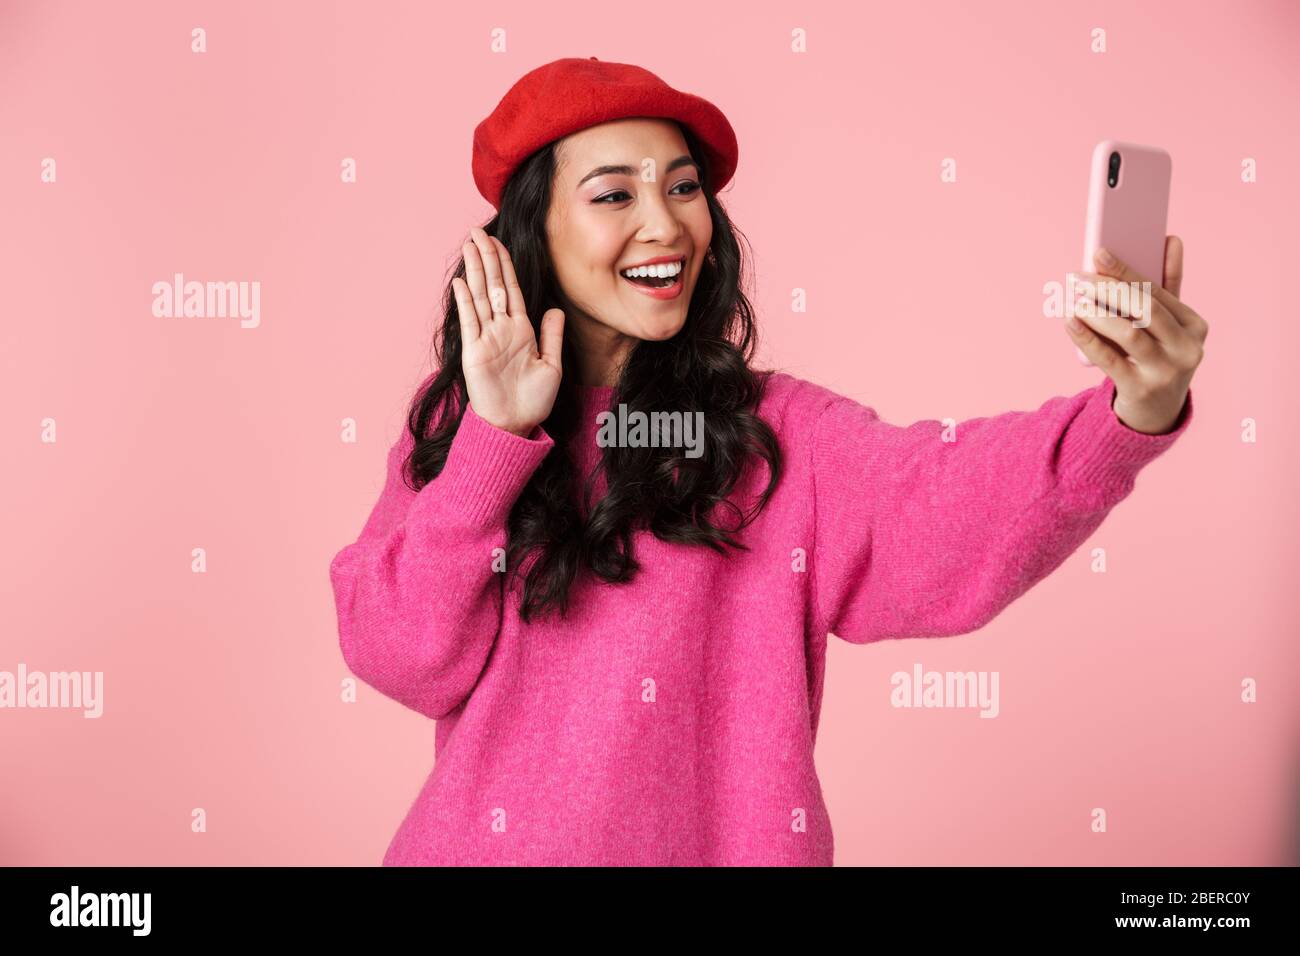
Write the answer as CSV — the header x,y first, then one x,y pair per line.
x,y
554,531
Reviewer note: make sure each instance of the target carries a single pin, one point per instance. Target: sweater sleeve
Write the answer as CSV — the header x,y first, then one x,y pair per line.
x,y
915,536
419,605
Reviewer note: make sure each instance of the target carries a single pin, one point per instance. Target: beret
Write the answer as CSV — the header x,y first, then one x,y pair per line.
x,y
567,95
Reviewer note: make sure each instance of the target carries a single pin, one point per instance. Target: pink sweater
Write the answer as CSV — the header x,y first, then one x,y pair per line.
x,y
672,720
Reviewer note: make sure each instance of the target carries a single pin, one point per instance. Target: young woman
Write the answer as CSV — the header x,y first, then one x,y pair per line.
x,y
623,644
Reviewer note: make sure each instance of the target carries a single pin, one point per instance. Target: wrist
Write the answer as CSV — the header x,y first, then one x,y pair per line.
x,y
517,428
1144,420
514,428
522,431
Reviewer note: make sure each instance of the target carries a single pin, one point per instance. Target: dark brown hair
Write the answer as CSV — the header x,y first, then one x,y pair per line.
x,y
705,366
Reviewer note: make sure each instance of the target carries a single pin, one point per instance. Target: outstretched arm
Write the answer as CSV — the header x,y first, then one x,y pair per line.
x,y
916,536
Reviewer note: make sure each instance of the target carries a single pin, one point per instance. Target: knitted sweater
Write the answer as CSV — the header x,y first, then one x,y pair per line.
x,y
671,720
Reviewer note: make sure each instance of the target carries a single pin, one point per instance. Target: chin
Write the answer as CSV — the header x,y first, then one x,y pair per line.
x,y
660,333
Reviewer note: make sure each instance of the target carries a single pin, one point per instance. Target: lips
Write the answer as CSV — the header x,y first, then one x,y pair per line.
x,y
654,282
657,261
671,290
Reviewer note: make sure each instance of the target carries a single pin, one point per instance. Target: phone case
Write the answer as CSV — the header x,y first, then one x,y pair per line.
x,y
1131,217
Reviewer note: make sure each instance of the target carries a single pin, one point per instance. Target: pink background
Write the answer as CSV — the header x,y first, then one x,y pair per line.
x,y
222,690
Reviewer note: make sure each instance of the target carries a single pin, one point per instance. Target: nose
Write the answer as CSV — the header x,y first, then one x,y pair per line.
x,y
659,221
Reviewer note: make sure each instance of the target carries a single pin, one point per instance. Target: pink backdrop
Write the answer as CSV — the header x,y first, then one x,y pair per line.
x,y
1119,690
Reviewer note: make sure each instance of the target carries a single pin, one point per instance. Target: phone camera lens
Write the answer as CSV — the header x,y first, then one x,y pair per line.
x,y
1113,178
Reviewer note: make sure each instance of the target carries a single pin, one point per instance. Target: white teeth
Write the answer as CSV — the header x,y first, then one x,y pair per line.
x,y
663,270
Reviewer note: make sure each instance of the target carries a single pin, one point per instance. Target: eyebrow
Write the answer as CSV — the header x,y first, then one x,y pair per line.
x,y
629,171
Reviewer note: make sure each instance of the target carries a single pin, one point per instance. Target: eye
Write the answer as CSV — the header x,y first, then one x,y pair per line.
x,y
610,198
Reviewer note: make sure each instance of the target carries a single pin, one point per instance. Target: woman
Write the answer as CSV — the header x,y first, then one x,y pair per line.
x,y
624,645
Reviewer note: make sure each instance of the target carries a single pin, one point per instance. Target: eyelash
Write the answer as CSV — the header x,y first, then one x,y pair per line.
x,y
690,182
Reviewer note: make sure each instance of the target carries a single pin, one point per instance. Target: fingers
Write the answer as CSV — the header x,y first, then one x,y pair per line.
x,y
482,275
514,294
490,266
1174,266
476,280
465,311
1104,296
491,290
1187,317
1125,273
1103,354
552,337
1122,332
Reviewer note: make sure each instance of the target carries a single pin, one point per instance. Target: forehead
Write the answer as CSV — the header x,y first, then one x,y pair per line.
x,y
618,142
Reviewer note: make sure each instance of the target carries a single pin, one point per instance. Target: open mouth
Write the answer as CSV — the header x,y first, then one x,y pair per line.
x,y
655,282
664,275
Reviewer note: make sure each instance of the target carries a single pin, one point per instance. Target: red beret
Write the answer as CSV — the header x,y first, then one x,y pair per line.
x,y
564,96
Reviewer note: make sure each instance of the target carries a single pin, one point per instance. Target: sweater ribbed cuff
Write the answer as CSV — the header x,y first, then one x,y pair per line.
x,y
1100,453
486,468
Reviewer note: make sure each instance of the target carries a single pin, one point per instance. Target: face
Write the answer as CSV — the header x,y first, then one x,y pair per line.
x,y
625,193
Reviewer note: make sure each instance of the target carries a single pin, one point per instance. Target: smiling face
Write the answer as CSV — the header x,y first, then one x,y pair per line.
x,y
625,193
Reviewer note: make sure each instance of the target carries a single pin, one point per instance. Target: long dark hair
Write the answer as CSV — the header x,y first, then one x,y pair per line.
x,y
705,366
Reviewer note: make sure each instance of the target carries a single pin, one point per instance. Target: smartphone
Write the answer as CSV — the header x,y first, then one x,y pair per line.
x,y
1128,208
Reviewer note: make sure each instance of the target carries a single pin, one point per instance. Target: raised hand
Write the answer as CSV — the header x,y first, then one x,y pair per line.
x,y
1151,360
511,384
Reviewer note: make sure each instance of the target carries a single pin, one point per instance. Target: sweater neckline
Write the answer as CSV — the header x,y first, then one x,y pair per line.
x,y
593,396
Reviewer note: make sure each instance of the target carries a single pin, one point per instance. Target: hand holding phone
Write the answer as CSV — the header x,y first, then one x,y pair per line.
x,y
1128,208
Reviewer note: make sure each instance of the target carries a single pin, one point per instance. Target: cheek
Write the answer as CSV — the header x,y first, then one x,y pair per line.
x,y
704,231
701,237
598,248
588,250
